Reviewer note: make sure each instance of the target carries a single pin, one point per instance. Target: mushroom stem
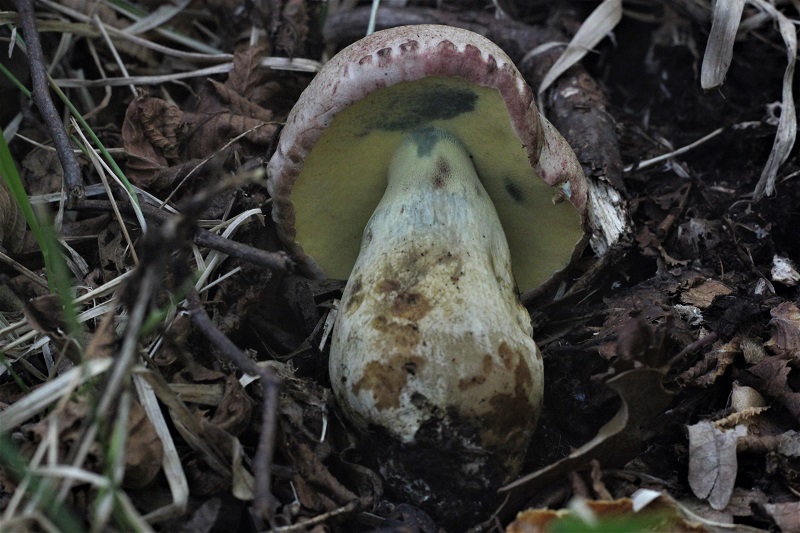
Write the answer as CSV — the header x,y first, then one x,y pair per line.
x,y
432,348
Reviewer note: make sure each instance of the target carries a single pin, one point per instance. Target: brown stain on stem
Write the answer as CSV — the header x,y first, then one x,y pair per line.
x,y
387,379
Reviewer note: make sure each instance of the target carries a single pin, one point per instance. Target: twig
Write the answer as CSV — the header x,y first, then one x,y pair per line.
x,y
264,503
23,270
693,347
279,261
41,96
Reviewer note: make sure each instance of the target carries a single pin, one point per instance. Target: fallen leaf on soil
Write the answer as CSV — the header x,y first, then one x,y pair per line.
x,y
714,364
702,295
144,452
150,137
660,514
643,397
12,223
712,462
293,28
785,515
42,172
248,79
233,413
317,489
229,109
785,324
772,374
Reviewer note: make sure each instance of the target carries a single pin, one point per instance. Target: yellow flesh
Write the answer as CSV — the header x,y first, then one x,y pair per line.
x,y
344,176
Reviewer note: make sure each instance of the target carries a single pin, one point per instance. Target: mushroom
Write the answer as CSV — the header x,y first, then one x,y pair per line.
x,y
416,165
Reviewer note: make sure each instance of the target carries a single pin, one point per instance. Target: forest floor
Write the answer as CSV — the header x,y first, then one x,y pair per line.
x,y
672,361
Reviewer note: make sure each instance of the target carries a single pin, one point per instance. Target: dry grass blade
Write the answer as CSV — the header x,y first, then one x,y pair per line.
x,y
49,393
719,49
160,16
173,469
603,20
787,126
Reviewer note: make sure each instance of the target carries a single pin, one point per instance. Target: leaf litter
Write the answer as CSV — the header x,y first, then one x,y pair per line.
x,y
672,367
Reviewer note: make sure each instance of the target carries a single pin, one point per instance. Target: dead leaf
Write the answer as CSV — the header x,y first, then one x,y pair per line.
x,y
643,397
12,222
247,76
785,330
772,374
317,489
293,28
150,136
785,515
712,462
102,343
661,514
231,109
713,365
42,172
236,103
144,452
703,295
233,413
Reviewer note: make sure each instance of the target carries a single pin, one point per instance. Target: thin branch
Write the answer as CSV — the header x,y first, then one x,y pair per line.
x,y
41,96
264,503
279,261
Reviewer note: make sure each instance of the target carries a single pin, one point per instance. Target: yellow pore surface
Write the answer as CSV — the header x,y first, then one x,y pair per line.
x,y
344,176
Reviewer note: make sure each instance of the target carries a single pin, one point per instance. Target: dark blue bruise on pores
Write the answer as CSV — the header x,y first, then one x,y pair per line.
x,y
427,137
514,191
417,105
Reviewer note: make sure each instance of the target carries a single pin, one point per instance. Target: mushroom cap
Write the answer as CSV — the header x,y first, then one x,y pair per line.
x,y
329,170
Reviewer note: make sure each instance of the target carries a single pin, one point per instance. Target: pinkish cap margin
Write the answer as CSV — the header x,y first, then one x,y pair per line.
x,y
405,53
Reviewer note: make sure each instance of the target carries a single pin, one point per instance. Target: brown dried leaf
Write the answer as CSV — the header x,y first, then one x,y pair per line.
x,y
150,136
12,222
42,172
317,489
102,343
773,372
144,452
785,324
247,75
115,259
662,514
45,314
712,462
293,28
714,364
233,413
209,133
643,397
702,295
233,101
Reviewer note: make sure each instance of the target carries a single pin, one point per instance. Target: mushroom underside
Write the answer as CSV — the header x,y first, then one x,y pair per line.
x,y
344,176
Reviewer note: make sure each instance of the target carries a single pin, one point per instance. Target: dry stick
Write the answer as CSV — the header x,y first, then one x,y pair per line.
x,y
264,503
41,96
273,260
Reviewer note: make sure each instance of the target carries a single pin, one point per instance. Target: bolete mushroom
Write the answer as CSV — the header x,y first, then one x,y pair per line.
x,y
416,165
